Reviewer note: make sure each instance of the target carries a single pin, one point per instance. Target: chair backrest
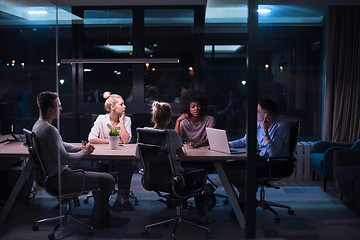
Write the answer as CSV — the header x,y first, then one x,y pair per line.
x,y
294,127
49,183
33,150
93,118
286,168
158,167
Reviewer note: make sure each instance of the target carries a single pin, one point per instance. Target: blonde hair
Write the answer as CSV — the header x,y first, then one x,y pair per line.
x,y
111,99
161,113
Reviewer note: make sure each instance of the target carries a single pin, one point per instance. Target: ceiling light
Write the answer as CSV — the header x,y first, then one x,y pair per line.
x,y
121,48
122,60
37,12
222,48
264,11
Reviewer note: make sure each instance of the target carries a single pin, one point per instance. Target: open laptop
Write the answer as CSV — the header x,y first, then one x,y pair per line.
x,y
17,137
218,141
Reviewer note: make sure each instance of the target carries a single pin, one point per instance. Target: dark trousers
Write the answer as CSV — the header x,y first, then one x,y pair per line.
x,y
101,184
199,199
236,172
123,174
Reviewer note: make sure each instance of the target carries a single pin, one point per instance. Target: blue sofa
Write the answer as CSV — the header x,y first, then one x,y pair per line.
x,y
347,174
321,157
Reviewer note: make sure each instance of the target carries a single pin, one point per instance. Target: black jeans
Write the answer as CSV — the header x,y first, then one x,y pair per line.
x,y
100,183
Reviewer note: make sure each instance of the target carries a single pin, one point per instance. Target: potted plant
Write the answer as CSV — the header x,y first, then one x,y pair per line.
x,y
114,138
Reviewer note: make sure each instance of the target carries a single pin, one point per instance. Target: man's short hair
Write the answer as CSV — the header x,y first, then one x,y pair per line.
x,y
268,105
45,100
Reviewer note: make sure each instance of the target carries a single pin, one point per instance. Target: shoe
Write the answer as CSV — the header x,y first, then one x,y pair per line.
x,y
206,220
117,206
127,206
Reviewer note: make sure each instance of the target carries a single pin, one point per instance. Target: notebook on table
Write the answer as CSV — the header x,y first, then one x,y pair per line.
x,y
218,141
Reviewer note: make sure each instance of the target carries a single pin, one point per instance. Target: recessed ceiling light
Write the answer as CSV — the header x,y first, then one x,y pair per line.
x,y
37,12
263,10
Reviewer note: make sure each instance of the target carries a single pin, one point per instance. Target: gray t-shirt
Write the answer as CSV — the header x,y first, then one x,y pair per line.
x,y
51,148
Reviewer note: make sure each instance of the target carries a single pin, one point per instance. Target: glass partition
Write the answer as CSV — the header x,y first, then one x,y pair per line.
x,y
27,61
210,43
169,33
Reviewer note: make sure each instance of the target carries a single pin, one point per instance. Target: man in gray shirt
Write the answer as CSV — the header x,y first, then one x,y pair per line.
x,y
52,148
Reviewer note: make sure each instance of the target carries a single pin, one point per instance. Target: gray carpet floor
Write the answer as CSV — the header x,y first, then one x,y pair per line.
x,y
318,215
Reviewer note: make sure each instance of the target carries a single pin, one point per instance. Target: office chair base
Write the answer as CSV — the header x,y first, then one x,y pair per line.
x,y
268,205
62,219
177,219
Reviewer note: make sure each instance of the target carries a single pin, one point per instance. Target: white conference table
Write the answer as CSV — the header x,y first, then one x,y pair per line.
x,y
126,153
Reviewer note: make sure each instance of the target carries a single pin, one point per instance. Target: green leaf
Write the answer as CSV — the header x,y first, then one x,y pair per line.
x,y
114,132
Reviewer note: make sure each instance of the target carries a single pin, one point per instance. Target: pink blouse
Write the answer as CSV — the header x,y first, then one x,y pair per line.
x,y
196,133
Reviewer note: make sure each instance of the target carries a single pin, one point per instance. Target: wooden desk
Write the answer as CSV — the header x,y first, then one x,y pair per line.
x,y
15,150
127,152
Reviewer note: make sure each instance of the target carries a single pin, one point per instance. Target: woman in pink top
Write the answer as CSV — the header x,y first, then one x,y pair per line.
x,y
193,122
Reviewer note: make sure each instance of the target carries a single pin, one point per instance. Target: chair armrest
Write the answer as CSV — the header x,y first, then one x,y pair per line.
x,y
328,157
278,158
286,164
198,174
322,146
190,183
346,158
79,191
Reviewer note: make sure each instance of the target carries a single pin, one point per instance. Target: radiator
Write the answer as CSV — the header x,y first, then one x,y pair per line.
x,y
302,171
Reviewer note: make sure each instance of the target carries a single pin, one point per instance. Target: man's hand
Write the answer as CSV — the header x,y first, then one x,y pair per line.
x,y
265,124
87,148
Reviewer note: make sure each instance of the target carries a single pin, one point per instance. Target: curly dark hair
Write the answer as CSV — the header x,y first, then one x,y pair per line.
x,y
194,96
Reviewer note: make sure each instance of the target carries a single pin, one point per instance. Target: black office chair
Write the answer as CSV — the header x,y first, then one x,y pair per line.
x,y
285,163
66,197
161,175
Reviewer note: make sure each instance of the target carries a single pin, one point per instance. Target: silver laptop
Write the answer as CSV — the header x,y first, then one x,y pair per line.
x,y
218,141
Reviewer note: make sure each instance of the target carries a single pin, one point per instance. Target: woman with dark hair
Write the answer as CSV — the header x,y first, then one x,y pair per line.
x,y
193,122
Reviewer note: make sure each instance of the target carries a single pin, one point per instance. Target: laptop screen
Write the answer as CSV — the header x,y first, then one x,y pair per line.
x,y
218,140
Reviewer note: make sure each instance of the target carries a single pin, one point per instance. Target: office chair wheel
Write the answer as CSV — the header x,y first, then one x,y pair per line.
x,y
51,236
291,212
35,227
145,232
276,220
208,235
